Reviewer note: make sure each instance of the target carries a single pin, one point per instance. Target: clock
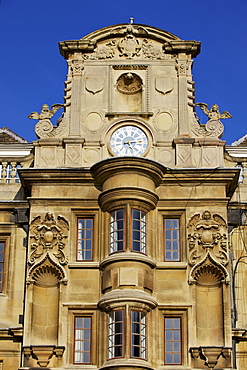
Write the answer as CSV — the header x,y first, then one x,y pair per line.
x,y
128,140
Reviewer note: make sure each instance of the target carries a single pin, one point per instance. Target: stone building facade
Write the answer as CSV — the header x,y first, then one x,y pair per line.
x,y
114,223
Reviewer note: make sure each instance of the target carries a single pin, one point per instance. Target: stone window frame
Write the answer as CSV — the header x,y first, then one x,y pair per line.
x,y
5,239
2,257
79,310
183,314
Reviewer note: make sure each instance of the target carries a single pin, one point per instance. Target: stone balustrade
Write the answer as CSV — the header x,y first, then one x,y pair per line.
x,y
8,172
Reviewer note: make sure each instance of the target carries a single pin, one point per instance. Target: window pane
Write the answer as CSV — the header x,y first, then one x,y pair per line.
x,y
115,334
138,334
85,239
171,240
138,231
117,231
82,340
173,340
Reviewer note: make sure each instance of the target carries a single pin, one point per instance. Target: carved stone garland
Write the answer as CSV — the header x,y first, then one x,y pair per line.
x,y
207,242
47,259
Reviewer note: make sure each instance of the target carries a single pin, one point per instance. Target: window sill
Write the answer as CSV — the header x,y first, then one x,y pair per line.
x,y
80,366
127,256
174,367
83,265
172,265
130,362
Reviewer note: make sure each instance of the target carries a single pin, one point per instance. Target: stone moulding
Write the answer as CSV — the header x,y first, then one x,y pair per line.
x,y
124,364
125,256
134,297
145,167
210,354
119,197
43,353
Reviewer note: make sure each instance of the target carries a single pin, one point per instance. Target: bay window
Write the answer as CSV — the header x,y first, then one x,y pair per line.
x,y
135,240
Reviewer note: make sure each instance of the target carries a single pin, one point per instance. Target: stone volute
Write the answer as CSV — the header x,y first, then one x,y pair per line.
x,y
128,180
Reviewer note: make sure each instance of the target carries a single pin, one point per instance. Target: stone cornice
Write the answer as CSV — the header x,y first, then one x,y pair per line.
x,y
190,47
72,46
30,176
220,176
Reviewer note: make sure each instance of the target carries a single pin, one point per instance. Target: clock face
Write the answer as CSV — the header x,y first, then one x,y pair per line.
x,y
129,141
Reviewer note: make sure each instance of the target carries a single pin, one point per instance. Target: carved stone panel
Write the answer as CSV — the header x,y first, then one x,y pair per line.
x,y
73,154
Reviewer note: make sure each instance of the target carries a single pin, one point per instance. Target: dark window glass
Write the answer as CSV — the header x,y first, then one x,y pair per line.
x,y
171,237
82,340
138,334
85,239
138,231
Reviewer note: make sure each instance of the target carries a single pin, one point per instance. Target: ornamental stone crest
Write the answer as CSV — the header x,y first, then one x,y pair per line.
x,y
44,128
94,84
47,238
129,46
213,127
207,242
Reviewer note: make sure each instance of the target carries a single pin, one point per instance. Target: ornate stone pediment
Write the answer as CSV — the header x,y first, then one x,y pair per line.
x,y
125,41
47,257
207,243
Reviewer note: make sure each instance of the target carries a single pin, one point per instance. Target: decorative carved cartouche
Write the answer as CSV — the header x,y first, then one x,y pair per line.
x,y
47,238
207,242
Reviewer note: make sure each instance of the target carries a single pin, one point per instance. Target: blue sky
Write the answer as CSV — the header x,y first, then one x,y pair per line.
x,y
33,72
